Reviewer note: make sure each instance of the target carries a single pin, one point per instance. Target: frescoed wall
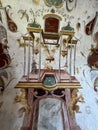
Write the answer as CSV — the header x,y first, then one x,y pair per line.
x,y
82,16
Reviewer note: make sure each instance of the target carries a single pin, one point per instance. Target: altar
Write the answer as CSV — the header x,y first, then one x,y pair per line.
x,y
46,85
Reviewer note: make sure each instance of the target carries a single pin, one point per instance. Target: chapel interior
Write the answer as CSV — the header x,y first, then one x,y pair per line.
x,y
49,65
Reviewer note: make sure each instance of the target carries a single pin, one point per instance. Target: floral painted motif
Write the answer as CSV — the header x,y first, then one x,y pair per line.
x,y
56,3
4,55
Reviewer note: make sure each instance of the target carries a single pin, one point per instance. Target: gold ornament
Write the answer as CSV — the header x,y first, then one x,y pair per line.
x,y
63,53
23,100
50,58
36,1
73,107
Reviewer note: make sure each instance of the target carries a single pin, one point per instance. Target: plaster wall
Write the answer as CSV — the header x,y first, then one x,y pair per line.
x,y
83,13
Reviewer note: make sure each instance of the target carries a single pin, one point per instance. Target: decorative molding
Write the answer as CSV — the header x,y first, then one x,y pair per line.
x,y
52,15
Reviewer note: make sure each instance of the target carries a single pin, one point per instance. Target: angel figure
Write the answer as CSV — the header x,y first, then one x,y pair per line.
x,y
73,107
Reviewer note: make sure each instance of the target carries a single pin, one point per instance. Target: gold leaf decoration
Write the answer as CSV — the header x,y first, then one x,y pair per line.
x,y
73,106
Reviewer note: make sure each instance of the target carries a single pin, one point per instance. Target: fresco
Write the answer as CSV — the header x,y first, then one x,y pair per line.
x,y
79,14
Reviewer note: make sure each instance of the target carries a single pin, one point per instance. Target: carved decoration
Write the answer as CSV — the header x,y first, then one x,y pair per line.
x,y
41,93
23,100
73,107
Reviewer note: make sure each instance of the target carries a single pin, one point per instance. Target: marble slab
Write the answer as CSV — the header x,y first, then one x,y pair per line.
x,y
50,115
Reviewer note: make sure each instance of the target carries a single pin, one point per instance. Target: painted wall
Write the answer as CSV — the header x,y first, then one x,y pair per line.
x,y
82,13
